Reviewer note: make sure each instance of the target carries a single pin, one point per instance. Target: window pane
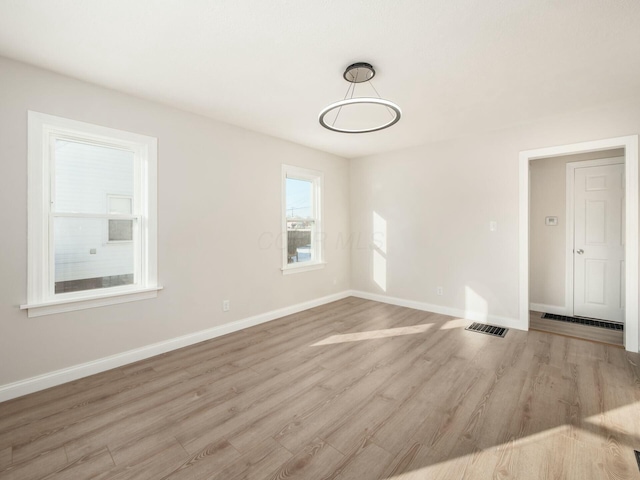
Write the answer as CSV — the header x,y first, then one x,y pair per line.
x,y
86,175
83,258
299,238
120,205
120,230
299,199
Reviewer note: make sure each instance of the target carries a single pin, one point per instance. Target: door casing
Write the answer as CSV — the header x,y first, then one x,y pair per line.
x,y
630,145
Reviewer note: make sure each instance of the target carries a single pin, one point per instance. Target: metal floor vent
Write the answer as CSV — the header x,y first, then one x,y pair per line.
x,y
637,457
488,329
591,322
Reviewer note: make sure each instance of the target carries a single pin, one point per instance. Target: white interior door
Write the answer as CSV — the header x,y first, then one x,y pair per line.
x,y
598,287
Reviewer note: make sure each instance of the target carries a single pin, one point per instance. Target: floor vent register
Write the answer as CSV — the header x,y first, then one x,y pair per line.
x,y
591,322
488,329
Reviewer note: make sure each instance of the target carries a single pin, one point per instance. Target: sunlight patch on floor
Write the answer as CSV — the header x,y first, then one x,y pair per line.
x,y
452,468
373,334
623,417
455,323
620,414
538,437
475,463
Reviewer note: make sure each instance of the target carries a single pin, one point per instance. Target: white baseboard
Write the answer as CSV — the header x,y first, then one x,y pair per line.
x,y
541,307
507,322
58,377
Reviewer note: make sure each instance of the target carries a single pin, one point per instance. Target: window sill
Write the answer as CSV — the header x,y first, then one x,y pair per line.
x,y
299,268
84,302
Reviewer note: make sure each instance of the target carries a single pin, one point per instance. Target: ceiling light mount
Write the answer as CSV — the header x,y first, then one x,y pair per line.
x,y
357,73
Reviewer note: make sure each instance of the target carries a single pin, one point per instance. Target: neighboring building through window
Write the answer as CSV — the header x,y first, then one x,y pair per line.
x,y
92,214
302,221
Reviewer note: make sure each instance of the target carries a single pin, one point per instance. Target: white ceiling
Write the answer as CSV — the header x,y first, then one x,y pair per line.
x,y
455,67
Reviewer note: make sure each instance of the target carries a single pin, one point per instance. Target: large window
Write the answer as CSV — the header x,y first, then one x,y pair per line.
x,y
302,220
92,215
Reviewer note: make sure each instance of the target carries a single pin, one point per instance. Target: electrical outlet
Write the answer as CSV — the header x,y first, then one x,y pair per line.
x,y
493,226
226,305
440,291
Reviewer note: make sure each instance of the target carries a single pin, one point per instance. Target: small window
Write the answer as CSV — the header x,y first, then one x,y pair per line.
x,y
92,215
120,230
302,232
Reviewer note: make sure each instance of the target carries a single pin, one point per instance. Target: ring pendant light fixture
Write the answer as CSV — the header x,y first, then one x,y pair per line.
x,y
359,73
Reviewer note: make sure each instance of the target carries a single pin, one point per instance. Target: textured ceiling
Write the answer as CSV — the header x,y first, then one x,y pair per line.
x,y
455,67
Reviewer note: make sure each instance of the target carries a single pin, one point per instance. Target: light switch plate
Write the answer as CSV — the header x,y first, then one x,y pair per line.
x,y
551,221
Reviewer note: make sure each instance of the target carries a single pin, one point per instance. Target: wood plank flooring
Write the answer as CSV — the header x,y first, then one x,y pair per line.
x,y
351,390
586,332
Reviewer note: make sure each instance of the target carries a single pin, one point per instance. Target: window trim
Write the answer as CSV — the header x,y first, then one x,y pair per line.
x,y
317,179
40,298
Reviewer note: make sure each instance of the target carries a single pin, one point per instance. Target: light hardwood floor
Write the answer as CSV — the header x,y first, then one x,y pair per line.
x,y
350,390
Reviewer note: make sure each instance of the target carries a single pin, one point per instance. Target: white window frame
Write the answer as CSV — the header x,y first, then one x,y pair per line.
x,y
43,130
317,245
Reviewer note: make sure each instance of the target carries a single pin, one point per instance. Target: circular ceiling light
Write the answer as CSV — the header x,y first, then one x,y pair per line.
x,y
360,72
395,117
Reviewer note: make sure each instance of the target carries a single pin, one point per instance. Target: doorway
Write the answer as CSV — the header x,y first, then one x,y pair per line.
x,y
593,272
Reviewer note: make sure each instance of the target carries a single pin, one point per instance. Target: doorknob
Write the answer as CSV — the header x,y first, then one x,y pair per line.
x,y
580,252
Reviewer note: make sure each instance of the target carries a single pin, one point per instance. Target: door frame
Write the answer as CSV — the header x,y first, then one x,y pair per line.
x,y
630,145
569,236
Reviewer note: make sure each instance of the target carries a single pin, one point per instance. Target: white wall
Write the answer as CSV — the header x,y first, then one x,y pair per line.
x,y
548,243
437,201
219,220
